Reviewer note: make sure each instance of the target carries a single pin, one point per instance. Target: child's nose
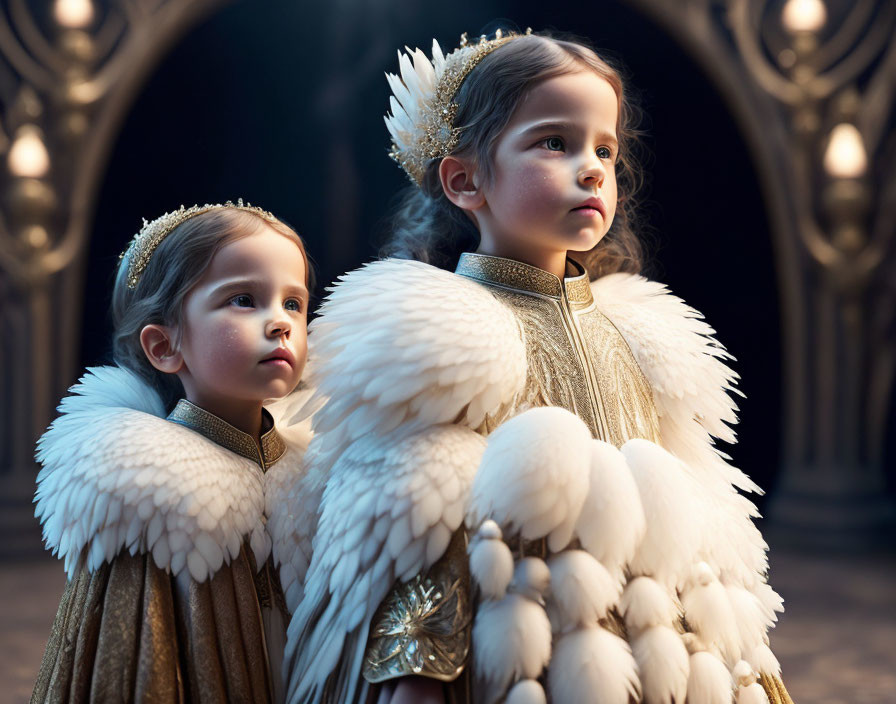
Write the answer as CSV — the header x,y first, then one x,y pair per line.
x,y
592,174
278,327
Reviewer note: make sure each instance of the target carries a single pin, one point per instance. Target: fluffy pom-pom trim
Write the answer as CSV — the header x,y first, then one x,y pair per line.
x,y
593,666
663,664
582,590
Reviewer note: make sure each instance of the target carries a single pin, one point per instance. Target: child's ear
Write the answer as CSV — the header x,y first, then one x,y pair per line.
x,y
458,183
158,346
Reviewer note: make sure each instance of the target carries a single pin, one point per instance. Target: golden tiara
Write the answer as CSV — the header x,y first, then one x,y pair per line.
x,y
144,243
422,103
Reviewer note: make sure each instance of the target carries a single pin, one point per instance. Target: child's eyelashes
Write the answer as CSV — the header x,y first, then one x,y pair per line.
x,y
244,300
558,144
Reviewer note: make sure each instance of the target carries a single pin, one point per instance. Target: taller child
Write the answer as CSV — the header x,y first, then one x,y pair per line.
x,y
507,379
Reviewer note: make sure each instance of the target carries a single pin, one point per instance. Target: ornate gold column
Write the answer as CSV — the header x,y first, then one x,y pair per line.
x,y
811,86
67,79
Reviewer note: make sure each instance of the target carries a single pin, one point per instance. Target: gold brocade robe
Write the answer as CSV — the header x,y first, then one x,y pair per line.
x,y
131,631
577,360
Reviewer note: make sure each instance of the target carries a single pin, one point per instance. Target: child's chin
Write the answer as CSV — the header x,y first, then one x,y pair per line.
x,y
278,389
585,240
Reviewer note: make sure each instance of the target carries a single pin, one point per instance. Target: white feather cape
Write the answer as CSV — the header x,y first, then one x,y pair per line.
x,y
116,475
404,352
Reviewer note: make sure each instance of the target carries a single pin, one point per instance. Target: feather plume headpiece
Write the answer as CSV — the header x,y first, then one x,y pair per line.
x,y
422,101
152,233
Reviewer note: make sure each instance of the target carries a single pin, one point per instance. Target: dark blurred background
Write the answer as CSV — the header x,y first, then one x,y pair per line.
x,y
759,211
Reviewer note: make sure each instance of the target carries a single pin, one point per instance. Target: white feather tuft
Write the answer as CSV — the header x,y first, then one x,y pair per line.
x,y
612,522
663,665
752,694
743,673
534,476
646,603
511,641
593,666
752,620
708,612
582,590
709,681
671,499
763,660
531,578
491,565
526,692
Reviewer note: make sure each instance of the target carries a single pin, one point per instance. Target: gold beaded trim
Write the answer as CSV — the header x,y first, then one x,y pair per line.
x,y
152,233
438,135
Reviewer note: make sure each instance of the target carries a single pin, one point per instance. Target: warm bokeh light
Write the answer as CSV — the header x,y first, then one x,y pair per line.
x,y
73,13
804,15
845,155
28,156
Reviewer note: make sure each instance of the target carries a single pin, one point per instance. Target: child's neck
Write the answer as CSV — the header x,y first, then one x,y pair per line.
x,y
242,415
550,261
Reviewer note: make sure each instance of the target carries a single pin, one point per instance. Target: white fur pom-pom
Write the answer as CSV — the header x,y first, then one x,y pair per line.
x,y
743,673
533,477
752,694
708,612
593,666
526,692
752,619
663,664
531,578
612,523
763,660
491,563
672,499
709,681
511,640
582,590
646,603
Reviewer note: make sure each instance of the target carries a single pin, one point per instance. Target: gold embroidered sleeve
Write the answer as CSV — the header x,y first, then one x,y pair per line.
x,y
424,626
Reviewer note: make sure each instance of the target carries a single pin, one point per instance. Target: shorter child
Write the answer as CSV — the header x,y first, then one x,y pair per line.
x,y
161,470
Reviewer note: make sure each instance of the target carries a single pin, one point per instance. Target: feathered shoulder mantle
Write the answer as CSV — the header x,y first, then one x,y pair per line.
x,y
116,474
402,342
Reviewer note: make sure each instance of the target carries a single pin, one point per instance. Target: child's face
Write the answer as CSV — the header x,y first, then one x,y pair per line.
x,y
244,335
554,182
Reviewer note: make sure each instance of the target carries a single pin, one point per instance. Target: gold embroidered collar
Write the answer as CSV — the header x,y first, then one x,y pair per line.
x,y
224,434
510,273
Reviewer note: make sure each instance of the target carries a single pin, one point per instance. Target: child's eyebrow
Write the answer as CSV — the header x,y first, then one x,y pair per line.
x,y
561,126
244,283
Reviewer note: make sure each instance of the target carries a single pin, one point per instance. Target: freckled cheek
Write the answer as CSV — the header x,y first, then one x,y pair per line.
x,y
228,346
534,190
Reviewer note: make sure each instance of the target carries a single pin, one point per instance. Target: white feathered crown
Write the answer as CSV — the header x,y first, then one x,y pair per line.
x,y
422,104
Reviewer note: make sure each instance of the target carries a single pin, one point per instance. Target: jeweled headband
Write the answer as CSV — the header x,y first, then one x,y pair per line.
x,y
152,233
422,104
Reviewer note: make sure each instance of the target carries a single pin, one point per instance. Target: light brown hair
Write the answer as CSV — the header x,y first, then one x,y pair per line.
x,y
429,228
175,267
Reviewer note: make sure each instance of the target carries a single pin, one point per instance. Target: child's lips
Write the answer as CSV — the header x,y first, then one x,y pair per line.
x,y
280,356
591,207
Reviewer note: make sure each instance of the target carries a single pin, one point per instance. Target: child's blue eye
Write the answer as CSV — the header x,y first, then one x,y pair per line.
x,y
293,304
604,153
554,144
242,301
